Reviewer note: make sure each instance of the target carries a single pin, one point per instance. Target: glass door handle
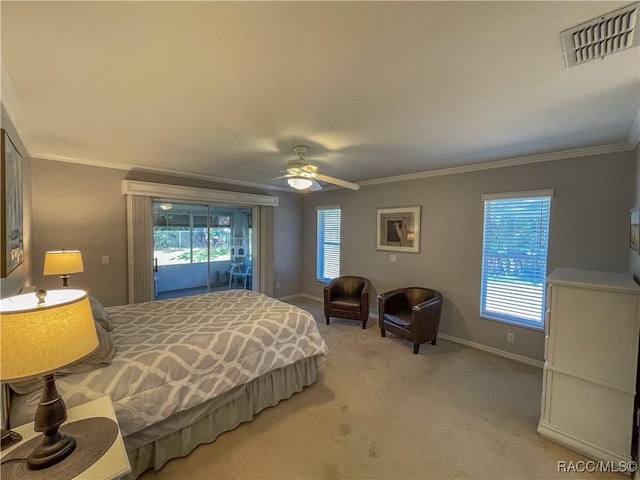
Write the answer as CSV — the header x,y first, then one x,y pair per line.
x,y
155,265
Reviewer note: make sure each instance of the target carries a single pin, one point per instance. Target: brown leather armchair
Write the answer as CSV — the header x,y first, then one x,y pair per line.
x,y
347,297
412,313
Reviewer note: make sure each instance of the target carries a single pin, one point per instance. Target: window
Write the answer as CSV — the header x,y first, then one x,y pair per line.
x,y
172,238
181,237
219,237
328,243
514,257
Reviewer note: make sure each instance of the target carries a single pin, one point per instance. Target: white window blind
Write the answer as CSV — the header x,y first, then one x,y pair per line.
x,y
514,257
328,243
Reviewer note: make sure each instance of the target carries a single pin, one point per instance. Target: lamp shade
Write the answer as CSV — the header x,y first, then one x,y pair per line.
x,y
37,339
62,262
299,183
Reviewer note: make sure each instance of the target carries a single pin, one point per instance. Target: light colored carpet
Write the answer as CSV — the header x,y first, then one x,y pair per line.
x,y
380,412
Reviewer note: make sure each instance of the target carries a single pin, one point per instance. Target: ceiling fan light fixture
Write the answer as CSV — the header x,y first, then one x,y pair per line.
x,y
166,206
299,183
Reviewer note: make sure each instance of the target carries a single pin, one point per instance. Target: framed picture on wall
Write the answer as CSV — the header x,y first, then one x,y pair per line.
x,y
12,248
399,229
634,229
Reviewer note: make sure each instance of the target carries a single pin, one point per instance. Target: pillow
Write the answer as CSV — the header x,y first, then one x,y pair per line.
x,y
101,357
26,386
99,314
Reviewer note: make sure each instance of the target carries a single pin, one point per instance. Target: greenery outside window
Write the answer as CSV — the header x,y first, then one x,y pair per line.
x,y
182,237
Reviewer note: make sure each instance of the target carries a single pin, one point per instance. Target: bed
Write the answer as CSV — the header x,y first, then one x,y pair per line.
x,y
186,370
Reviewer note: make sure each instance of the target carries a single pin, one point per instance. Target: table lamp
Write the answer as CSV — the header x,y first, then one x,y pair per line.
x,y
63,262
41,333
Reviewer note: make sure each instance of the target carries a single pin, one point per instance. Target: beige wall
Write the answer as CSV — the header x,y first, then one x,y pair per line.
x,y
21,276
81,207
288,253
588,230
634,257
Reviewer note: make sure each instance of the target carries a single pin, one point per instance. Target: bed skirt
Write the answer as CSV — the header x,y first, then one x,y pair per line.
x,y
180,434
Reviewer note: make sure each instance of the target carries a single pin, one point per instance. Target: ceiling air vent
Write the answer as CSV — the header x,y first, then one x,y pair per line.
x,y
601,36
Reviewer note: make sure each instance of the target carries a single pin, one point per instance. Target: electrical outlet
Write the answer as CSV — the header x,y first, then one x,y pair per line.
x,y
277,284
105,259
392,258
511,338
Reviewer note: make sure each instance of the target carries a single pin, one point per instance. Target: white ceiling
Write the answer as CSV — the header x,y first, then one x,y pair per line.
x,y
375,90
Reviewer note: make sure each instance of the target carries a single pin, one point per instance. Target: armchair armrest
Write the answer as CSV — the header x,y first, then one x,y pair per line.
x,y
426,318
329,289
432,302
364,296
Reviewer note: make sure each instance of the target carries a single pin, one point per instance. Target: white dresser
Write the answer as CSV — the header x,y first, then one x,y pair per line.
x,y
591,353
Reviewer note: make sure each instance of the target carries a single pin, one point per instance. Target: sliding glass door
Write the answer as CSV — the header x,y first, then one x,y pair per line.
x,y
200,248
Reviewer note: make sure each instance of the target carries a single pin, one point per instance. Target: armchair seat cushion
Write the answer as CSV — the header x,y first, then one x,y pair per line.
x,y
345,303
401,319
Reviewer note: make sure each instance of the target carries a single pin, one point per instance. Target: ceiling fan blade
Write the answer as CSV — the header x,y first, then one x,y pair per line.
x,y
337,181
315,186
280,177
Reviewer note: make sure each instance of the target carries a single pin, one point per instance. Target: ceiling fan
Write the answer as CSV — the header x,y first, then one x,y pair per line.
x,y
301,175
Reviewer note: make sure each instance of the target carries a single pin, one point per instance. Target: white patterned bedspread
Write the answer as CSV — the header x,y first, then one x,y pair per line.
x,y
172,355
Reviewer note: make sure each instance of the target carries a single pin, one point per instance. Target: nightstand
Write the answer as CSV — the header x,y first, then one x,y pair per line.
x,y
111,465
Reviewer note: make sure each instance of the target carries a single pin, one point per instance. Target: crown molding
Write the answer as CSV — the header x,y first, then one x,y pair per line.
x,y
510,162
634,133
91,163
163,171
13,108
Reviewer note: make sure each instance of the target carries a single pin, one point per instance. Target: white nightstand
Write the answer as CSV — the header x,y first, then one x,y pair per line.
x,y
113,464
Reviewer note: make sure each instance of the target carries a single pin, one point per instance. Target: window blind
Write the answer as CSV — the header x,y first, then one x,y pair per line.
x,y
514,259
328,243
140,248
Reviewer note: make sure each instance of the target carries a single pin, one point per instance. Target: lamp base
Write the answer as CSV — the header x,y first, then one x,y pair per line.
x,y
50,414
51,451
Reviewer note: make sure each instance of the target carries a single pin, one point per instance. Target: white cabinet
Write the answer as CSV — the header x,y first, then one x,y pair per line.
x,y
591,354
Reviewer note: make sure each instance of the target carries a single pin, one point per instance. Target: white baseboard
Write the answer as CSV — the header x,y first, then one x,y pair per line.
x,y
451,338
311,297
304,295
581,445
495,351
